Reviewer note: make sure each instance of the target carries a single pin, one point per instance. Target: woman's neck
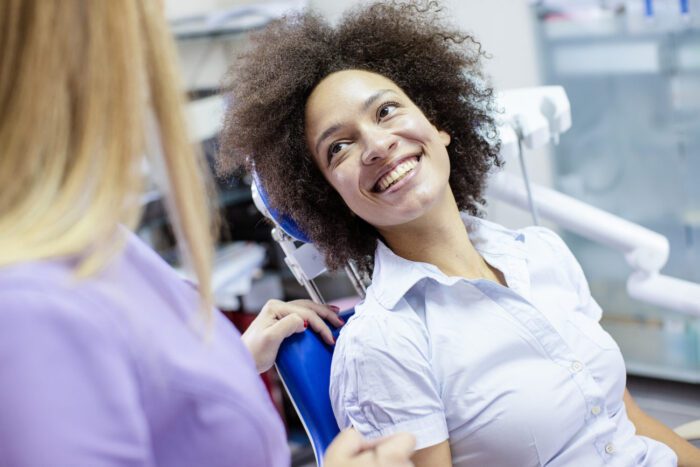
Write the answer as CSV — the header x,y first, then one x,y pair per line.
x,y
440,238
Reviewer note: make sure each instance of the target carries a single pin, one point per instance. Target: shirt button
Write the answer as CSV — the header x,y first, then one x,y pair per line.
x,y
576,366
595,410
610,448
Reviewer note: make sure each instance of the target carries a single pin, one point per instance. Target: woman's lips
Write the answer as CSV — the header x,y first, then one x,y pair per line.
x,y
397,174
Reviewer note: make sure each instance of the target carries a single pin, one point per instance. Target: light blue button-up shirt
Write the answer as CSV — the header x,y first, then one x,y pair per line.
x,y
513,376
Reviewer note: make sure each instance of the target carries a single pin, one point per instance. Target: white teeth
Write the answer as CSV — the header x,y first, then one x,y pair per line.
x,y
397,174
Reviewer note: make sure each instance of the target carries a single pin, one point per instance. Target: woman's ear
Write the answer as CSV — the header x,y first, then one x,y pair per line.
x,y
444,137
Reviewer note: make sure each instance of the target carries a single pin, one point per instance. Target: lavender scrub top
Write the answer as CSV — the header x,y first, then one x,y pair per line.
x,y
111,371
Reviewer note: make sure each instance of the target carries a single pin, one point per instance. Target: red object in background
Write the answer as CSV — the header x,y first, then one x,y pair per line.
x,y
242,320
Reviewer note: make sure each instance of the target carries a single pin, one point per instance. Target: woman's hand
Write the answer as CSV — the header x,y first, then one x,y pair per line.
x,y
279,320
350,449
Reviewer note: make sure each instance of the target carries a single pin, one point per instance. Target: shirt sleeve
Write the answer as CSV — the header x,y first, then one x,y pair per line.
x,y
382,383
572,269
68,393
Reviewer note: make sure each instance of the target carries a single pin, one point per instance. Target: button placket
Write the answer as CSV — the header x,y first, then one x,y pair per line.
x,y
558,349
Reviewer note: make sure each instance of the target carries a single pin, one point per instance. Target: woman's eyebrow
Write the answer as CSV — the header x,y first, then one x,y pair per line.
x,y
371,99
326,133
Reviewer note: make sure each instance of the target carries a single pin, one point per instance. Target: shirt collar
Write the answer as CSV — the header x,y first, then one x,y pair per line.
x,y
394,276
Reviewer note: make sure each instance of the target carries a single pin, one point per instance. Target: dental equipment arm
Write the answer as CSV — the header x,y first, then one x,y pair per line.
x,y
644,250
532,118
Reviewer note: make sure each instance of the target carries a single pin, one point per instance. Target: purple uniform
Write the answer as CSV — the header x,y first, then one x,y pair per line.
x,y
111,371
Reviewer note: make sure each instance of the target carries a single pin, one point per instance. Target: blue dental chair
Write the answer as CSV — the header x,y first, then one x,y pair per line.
x,y
304,360
304,364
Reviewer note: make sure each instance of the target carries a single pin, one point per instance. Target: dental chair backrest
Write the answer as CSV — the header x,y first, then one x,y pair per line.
x,y
304,360
304,366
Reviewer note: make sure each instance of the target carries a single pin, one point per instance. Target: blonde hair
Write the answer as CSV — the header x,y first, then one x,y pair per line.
x,y
79,81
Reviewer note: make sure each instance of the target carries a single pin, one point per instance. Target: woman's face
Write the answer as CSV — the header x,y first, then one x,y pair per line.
x,y
376,148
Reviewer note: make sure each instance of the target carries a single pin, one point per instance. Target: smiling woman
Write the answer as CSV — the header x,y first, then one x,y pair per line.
x,y
417,68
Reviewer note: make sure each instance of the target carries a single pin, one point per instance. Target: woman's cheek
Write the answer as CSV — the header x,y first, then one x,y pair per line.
x,y
415,127
343,184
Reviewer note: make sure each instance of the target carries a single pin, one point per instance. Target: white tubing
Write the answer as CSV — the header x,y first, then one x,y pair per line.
x,y
665,291
643,249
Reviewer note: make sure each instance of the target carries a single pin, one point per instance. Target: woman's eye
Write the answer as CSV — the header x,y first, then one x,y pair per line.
x,y
335,148
386,110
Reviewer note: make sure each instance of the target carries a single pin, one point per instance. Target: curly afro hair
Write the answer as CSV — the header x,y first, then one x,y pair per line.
x,y
438,68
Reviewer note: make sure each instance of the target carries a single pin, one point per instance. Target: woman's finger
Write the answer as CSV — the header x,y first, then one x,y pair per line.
x,y
314,321
285,327
347,444
328,312
320,326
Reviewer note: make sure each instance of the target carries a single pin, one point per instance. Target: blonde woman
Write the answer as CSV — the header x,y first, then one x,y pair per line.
x,y
106,357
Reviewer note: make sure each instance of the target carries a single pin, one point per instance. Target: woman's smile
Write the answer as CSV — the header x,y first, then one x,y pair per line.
x,y
398,175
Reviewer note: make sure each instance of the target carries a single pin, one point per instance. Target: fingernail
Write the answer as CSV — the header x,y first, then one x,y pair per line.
x,y
334,308
342,321
306,324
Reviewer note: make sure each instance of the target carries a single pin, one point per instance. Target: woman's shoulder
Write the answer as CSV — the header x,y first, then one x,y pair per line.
x,y
547,247
544,235
46,296
374,333
132,279
44,317
61,273
379,353
528,234
535,241
35,285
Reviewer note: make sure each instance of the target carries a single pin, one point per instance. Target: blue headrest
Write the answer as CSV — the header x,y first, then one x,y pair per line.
x,y
284,221
304,364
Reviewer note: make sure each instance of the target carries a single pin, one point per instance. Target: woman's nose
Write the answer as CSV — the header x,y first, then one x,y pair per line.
x,y
379,145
